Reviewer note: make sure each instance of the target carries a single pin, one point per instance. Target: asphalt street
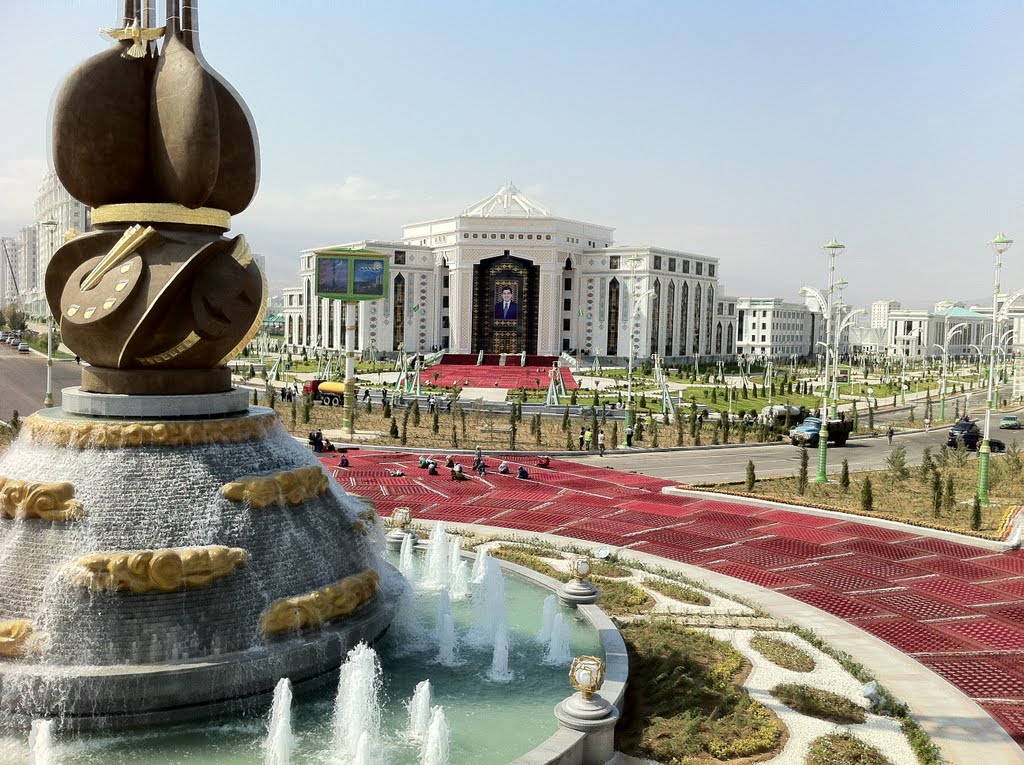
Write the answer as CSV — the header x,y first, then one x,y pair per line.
x,y
23,381
711,464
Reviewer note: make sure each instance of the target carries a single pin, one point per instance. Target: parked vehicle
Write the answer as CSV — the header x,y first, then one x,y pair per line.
x,y
22,347
1010,422
970,435
806,433
326,391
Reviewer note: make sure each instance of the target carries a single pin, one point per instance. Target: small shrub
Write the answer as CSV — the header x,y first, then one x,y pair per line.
x,y
896,462
867,496
844,476
824,705
936,489
949,495
780,652
751,476
678,592
976,513
801,479
843,749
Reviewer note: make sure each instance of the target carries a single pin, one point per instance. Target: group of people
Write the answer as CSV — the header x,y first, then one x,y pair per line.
x,y
587,439
319,444
428,463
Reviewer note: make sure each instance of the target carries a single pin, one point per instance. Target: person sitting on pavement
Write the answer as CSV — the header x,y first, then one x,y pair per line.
x,y
329,445
522,474
543,462
423,461
457,474
503,468
481,468
449,461
432,468
396,473
343,462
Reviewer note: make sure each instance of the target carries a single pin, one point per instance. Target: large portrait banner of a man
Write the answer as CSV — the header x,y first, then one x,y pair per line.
x,y
506,303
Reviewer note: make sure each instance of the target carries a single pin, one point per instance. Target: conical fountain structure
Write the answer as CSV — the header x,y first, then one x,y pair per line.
x,y
166,551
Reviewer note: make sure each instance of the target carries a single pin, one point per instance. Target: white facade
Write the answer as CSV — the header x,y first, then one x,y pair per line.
x,y
880,310
54,205
920,333
9,264
773,328
579,289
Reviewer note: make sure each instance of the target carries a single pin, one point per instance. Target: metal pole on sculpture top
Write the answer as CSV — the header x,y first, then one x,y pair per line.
x,y
350,366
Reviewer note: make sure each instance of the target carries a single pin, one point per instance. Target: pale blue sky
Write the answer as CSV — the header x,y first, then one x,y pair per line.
x,y
749,131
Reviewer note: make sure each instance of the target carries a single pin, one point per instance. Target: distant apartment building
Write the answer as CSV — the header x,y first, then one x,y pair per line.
x,y
880,311
8,271
57,212
773,328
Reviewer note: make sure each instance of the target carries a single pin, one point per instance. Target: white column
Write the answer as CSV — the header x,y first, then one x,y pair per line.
x,y
549,316
460,302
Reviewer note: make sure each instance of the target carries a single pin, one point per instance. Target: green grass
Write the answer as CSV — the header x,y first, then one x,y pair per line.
x,y
521,558
782,653
618,598
684,703
824,705
843,749
678,592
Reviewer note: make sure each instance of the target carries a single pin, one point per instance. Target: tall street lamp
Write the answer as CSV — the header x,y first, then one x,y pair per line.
x,y
999,246
833,249
50,225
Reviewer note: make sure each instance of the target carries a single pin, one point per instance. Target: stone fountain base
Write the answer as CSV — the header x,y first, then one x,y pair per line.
x,y
158,569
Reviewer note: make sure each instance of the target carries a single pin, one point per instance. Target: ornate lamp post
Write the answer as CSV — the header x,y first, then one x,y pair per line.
x,y
945,366
999,246
832,249
50,225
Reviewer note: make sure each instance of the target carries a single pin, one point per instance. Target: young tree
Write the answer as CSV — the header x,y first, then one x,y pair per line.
x,y
801,479
565,420
867,497
844,477
255,397
751,476
936,487
435,425
393,430
307,405
615,436
976,514
949,496
654,434
927,466
405,427
416,413
871,417
896,462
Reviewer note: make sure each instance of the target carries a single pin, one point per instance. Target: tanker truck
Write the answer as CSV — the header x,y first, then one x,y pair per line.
x,y
326,391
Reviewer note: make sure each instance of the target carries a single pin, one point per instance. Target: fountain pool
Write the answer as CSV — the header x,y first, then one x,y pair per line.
x,y
489,722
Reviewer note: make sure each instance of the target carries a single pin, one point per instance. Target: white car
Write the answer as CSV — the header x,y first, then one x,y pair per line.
x,y
22,347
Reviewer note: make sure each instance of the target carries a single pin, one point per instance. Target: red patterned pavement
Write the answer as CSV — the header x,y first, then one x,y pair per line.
x,y
956,608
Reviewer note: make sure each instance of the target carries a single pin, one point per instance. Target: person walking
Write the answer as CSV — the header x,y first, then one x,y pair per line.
x,y
600,443
629,435
583,432
889,434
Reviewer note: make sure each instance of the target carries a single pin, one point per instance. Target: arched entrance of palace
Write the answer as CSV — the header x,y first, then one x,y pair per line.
x,y
505,305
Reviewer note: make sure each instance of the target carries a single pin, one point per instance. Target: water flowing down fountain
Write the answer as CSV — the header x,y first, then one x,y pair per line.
x,y
168,552
499,672
419,711
277,749
357,704
40,743
437,558
405,564
559,652
364,751
436,745
547,619
460,581
454,554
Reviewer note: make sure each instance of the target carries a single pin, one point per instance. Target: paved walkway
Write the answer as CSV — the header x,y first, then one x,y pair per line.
x,y
955,607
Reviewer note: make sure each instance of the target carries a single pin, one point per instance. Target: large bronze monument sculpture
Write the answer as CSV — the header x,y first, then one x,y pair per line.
x,y
166,551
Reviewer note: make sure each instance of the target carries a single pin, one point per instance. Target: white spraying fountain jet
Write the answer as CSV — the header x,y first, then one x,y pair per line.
x,y
40,743
405,558
447,639
277,749
480,565
357,704
454,553
419,711
436,745
499,672
558,646
490,609
364,754
437,558
547,620
460,581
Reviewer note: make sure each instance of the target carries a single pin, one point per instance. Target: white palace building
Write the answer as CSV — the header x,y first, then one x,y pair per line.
x,y
571,287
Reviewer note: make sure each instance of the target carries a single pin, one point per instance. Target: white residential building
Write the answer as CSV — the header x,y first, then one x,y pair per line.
x,y
54,205
880,310
574,289
773,328
917,334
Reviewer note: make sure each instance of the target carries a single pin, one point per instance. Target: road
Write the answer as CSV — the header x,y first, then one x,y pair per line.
x,y
23,381
730,464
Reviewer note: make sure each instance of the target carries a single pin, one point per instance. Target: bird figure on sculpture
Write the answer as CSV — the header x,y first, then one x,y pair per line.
x,y
138,35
